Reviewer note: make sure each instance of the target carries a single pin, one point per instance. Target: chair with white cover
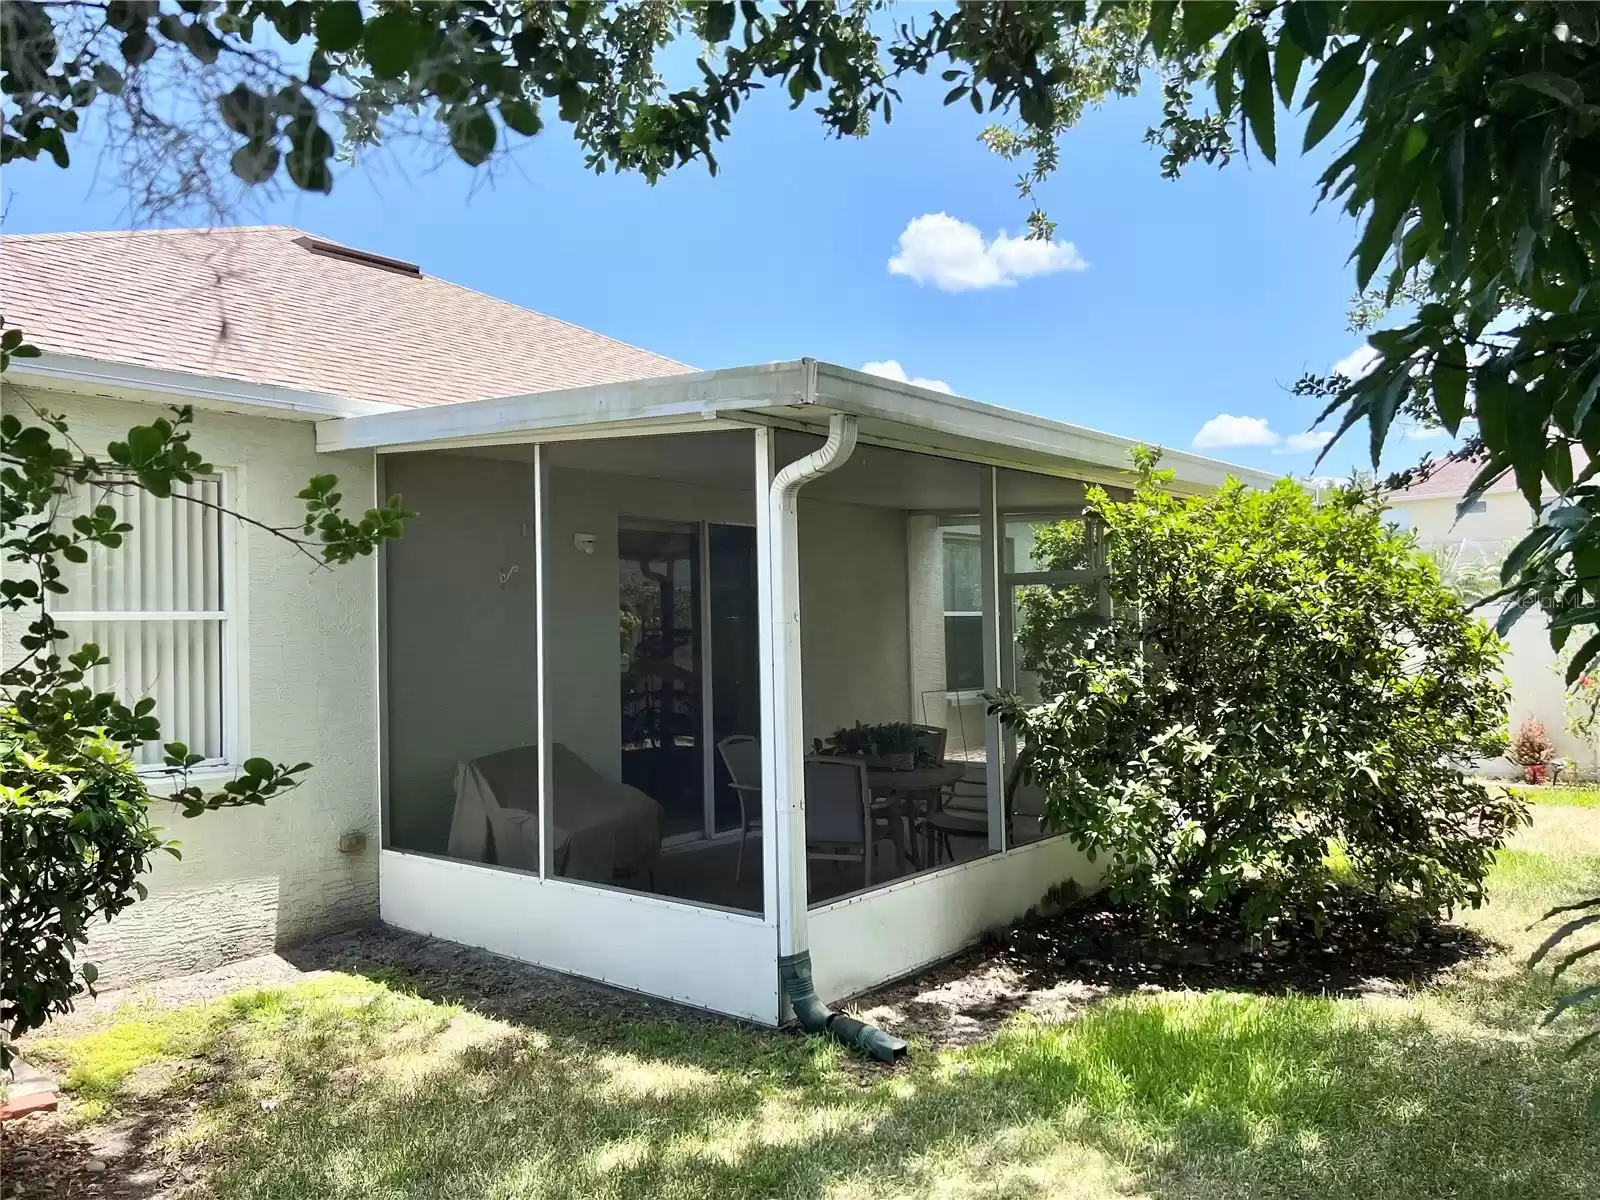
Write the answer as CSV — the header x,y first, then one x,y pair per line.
x,y
741,755
839,812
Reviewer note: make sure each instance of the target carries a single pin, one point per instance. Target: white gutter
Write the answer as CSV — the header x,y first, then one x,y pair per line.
x,y
784,770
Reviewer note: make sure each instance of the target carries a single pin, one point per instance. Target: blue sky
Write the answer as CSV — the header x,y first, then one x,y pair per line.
x,y
1178,302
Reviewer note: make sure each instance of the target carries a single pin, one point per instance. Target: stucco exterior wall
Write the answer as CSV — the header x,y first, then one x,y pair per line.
x,y
1537,687
854,614
253,879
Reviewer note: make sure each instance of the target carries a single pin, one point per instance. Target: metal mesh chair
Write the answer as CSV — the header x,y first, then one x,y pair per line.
x,y
839,812
741,754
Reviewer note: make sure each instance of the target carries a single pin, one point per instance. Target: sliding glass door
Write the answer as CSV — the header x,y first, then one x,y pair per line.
x,y
690,674
662,682
735,667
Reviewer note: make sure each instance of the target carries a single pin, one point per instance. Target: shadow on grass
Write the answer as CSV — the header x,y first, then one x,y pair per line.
x,y
357,1090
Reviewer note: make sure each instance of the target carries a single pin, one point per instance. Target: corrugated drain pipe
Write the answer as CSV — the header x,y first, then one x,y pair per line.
x,y
794,961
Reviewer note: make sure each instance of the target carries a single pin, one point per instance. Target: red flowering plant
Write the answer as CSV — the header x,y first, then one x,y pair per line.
x,y
1532,750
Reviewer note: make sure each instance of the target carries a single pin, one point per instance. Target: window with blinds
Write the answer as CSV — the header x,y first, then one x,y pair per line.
x,y
157,607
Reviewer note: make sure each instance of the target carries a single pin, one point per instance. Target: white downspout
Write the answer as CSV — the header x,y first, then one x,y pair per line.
x,y
787,751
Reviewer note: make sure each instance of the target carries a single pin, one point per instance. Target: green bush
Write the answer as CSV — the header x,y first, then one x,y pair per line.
x,y
77,836
1280,706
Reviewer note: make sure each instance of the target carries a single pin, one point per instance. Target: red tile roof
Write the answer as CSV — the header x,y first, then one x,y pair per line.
x,y
255,304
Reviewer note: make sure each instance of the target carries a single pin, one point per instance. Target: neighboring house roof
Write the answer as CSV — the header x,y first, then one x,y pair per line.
x,y
272,305
1451,479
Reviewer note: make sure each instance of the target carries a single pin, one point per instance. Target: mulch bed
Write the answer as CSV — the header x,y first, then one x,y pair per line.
x,y
1051,966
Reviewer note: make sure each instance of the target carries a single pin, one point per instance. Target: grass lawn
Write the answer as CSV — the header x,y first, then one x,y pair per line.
x,y
1567,797
350,1087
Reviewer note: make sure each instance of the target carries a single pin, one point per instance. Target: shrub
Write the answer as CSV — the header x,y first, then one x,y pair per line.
x,y
1532,749
1284,687
77,836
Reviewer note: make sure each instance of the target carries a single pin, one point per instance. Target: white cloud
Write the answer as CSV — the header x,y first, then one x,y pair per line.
x,y
1357,363
1312,439
953,256
1423,433
1224,430
890,369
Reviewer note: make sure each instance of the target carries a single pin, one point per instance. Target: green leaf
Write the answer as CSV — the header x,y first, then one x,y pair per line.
x,y
1158,33
1306,23
339,25
1572,1000
1523,551
1560,935
1201,20
1561,88
1582,659
107,78
1335,86
246,113
138,47
718,22
1450,385
1257,100
1288,57
1416,141
1558,466
472,134
521,116
255,162
391,40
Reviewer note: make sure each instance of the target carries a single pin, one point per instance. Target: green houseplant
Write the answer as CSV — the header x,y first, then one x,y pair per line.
x,y
896,745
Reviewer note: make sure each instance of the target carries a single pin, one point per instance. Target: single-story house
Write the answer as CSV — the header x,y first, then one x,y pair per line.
x,y
573,715
1470,546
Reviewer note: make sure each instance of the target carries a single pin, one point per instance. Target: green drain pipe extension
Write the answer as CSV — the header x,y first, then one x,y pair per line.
x,y
794,973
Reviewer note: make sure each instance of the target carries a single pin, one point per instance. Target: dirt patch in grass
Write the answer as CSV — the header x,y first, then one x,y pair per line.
x,y
120,1155
1051,967
480,981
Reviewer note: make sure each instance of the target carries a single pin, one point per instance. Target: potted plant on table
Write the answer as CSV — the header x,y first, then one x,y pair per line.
x,y
894,745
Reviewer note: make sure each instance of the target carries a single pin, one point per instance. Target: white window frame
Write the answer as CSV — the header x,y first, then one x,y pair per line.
x,y
228,617
945,531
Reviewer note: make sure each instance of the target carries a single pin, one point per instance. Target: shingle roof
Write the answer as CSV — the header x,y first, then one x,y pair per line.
x,y
254,304
1451,478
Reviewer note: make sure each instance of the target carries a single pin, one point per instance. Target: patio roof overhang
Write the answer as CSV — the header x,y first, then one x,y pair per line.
x,y
800,395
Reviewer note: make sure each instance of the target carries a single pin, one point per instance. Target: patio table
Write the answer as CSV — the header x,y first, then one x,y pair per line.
x,y
902,787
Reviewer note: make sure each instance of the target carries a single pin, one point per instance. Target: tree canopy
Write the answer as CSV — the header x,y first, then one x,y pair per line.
x,y
1468,148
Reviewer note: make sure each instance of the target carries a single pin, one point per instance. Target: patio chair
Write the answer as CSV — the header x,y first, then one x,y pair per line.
x,y
931,739
839,812
741,754
963,814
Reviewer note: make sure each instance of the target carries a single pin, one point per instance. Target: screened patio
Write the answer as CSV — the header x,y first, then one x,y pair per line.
x,y
685,675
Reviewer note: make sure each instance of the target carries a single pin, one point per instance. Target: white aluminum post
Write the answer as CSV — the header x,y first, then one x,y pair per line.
x,y
541,519
994,672
708,728
783,776
767,672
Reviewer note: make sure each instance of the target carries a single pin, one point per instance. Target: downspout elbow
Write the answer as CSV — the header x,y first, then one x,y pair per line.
x,y
794,973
